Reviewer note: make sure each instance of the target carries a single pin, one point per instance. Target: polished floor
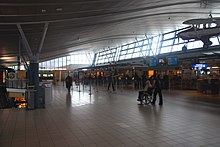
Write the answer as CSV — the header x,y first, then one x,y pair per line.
x,y
114,119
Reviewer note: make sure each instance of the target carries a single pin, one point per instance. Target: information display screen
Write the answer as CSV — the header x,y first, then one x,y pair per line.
x,y
153,62
172,61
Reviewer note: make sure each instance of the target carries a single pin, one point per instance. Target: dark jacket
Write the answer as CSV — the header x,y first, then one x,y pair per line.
x,y
69,81
157,84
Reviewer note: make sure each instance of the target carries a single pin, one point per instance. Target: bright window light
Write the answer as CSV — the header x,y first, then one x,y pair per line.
x,y
165,49
169,42
214,41
194,45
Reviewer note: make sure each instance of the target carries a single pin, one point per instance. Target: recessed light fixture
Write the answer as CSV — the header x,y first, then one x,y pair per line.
x,y
43,10
215,67
208,53
7,58
59,9
217,52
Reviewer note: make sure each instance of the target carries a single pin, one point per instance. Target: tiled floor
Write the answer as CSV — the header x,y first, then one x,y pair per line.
x,y
106,119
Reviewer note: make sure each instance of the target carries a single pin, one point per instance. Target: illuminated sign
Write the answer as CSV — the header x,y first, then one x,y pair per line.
x,y
199,66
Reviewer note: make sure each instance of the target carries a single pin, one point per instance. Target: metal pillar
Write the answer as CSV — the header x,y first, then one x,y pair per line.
x,y
90,87
34,80
33,69
78,81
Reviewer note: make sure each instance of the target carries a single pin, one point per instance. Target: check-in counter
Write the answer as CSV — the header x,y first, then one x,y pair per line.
x,y
15,92
209,85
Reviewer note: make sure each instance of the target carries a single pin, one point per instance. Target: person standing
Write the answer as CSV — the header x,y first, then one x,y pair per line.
x,y
69,82
111,81
157,90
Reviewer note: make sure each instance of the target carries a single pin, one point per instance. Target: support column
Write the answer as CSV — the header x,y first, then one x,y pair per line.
x,y
33,70
34,80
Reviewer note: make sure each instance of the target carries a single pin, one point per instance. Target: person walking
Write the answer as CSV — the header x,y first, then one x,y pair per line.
x,y
157,90
69,82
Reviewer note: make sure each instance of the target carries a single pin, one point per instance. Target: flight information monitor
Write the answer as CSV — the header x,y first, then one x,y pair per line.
x,y
172,61
153,62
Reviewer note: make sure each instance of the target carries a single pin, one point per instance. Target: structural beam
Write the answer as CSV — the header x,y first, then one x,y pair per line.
x,y
25,62
42,39
25,42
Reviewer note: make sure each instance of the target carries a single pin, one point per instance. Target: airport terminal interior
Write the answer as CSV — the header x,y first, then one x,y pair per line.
x,y
71,73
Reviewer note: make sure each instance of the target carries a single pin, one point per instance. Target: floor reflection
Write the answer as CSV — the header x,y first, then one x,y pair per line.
x,y
75,98
68,99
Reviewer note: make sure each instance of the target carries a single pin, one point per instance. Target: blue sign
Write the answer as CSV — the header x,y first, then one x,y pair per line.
x,y
199,66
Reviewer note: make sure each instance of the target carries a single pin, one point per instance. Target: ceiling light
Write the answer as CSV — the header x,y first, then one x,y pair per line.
x,y
217,52
43,10
59,9
215,67
208,53
6,58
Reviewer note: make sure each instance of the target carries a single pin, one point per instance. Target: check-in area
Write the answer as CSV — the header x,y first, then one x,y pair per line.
x,y
109,73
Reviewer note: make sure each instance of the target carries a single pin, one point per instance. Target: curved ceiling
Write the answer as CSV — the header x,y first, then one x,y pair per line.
x,y
90,25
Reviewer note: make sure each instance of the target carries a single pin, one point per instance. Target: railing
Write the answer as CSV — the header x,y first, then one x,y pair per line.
x,y
16,83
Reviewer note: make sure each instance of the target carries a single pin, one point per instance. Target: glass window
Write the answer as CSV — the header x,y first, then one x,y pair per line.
x,y
144,48
177,47
178,40
101,61
200,26
167,43
52,64
60,63
128,56
137,49
151,53
124,47
68,60
165,49
140,43
131,45
156,39
123,52
212,25
194,45
168,36
86,57
64,62
72,59
81,59
56,63
214,41
44,65
22,67
146,41
48,65
135,55
130,51
154,48
40,65
122,57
